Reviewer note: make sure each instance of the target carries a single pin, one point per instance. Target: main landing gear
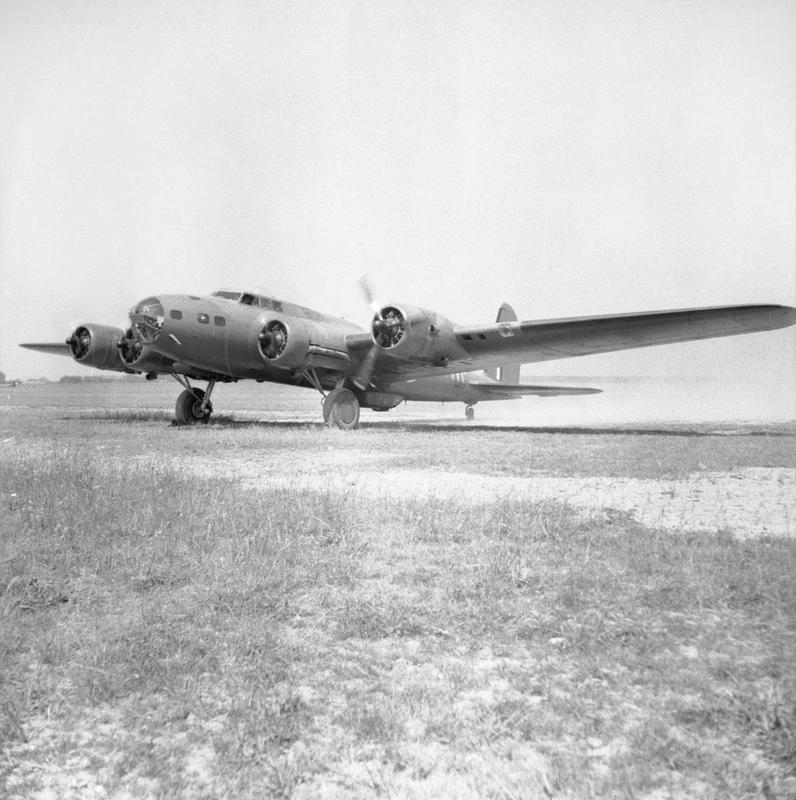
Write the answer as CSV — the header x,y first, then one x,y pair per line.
x,y
193,405
340,405
341,409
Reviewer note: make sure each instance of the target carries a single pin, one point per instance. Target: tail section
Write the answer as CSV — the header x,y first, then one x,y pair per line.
x,y
511,373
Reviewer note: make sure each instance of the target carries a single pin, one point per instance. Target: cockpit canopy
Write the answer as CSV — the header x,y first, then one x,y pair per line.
x,y
225,294
250,299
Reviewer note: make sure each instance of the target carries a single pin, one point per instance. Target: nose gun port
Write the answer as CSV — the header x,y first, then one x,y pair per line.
x,y
146,319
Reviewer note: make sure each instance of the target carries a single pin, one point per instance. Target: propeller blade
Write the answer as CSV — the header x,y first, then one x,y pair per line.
x,y
367,292
268,345
362,378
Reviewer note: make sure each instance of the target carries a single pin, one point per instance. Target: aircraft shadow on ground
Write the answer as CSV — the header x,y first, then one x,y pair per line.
x,y
454,427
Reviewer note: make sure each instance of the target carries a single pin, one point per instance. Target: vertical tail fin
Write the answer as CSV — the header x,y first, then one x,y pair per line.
x,y
511,373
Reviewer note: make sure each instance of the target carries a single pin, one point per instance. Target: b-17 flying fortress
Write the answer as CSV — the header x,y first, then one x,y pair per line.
x,y
409,353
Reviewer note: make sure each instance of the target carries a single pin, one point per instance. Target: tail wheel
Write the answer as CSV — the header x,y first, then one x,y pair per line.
x,y
341,409
189,408
469,412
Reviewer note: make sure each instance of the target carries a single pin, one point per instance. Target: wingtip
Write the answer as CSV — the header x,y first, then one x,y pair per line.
x,y
780,316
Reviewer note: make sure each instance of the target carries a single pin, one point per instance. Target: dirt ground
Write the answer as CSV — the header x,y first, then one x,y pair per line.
x,y
747,502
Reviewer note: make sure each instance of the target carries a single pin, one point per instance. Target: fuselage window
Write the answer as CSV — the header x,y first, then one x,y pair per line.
x,y
174,314
248,300
204,318
265,303
220,321
276,305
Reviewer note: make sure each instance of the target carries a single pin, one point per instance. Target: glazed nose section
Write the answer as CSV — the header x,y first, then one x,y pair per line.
x,y
146,319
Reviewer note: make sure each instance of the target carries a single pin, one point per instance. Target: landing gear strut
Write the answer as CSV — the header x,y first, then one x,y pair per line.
x,y
193,405
341,409
469,412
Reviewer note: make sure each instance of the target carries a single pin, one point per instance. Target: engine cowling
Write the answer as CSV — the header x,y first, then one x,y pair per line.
x,y
97,346
411,332
139,356
283,343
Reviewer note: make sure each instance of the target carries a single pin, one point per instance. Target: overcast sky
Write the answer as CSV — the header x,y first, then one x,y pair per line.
x,y
569,157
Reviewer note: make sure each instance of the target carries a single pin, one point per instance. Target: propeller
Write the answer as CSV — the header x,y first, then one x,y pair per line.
x,y
79,342
387,329
130,346
362,378
273,339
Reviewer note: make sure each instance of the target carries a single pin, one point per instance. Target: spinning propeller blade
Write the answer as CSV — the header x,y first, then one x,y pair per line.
x,y
362,378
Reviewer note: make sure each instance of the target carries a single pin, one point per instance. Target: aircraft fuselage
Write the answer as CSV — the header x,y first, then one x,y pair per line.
x,y
224,337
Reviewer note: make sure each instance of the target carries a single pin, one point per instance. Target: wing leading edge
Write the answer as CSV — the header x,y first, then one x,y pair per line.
x,y
545,340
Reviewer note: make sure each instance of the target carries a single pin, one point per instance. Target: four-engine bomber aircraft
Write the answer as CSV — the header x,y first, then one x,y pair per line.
x,y
409,353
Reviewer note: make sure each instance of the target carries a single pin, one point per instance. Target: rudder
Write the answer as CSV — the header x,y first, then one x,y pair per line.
x,y
511,373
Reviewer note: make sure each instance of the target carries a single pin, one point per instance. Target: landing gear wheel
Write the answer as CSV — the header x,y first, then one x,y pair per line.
x,y
341,409
189,408
469,413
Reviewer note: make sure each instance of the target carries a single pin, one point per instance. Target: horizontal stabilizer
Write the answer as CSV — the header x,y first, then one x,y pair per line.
x,y
520,389
55,348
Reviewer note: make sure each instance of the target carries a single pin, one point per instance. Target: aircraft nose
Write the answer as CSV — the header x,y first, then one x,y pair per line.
x,y
146,318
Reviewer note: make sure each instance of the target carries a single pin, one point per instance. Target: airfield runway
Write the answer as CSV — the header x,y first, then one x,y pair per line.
x,y
506,455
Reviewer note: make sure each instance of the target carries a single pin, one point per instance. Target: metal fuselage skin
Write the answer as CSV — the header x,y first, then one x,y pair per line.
x,y
214,336
220,336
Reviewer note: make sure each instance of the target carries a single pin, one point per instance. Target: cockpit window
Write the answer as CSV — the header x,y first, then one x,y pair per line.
x,y
225,295
250,299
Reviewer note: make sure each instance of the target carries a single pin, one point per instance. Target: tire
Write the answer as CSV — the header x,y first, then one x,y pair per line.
x,y
341,409
327,406
188,409
469,412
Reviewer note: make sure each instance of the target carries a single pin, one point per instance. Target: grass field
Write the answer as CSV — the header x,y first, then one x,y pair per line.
x,y
171,626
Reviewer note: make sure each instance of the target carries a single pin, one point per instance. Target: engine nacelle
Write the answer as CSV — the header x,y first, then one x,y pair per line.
x,y
97,346
411,332
139,356
284,342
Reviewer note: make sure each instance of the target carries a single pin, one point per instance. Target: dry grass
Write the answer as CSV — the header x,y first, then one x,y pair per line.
x,y
167,635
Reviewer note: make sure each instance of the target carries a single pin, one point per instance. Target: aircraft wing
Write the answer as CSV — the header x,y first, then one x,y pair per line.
x,y
492,388
545,340
53,348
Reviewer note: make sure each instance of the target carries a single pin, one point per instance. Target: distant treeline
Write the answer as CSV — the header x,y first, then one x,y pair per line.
x,y
97,378
71,379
